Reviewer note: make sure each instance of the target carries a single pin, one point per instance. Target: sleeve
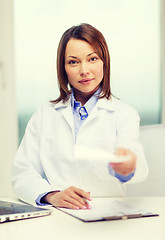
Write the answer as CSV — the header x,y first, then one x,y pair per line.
x,y
39,202
27,174
121,178
128,122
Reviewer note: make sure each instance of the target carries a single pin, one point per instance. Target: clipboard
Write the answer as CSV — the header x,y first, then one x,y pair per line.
x,y
105,209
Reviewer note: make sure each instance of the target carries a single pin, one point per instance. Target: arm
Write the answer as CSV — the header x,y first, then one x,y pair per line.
x,y
27,173
28,176
128,144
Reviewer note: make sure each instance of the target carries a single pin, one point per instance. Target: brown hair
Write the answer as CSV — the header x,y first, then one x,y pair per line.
x,y
91,35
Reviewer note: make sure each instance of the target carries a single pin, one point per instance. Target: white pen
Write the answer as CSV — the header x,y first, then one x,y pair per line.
x,y
87,203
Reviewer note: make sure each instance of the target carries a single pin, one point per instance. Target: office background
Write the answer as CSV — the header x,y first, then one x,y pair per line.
x,y
132,31
30,32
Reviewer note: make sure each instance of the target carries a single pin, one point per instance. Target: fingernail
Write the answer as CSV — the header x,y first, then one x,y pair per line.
x,y
76,208
83,207
88,207
90,199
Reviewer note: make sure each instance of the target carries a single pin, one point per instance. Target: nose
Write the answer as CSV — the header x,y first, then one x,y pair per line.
x,y
84,70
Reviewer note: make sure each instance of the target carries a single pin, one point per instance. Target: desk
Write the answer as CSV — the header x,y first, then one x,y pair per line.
x,y
64,227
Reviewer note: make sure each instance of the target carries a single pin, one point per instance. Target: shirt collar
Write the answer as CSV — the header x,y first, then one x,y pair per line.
x,y
102,103
88,105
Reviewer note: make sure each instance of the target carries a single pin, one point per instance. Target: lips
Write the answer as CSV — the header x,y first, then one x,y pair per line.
x,y
86,80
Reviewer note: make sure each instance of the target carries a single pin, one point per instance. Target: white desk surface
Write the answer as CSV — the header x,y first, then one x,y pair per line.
x,y
61,226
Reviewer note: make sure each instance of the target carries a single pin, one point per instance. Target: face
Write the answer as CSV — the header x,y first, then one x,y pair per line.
x,y
84,68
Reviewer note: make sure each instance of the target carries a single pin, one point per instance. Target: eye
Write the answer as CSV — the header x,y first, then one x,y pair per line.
x,y
73,62
93,59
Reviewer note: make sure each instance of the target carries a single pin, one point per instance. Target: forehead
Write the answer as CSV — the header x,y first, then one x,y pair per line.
x,y
76,47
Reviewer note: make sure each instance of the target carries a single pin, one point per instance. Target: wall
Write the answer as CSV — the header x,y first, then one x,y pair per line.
x,y
133,40
163,57
8,122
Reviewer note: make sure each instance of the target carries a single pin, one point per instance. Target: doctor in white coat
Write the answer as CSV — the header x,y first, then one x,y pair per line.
x,y
86,142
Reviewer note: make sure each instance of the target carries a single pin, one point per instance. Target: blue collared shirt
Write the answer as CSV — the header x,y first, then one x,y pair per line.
x,y
80,113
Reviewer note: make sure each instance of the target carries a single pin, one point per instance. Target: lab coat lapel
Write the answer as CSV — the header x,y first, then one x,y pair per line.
x,y
92,115
66,111
68,116
102,104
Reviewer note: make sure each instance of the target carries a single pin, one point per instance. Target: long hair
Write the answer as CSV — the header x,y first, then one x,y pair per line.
x,y
91,35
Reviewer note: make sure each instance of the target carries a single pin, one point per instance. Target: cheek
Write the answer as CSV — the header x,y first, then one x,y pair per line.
x,y
70,74
99,71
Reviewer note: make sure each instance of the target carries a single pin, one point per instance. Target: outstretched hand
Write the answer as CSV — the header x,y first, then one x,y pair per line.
x,y
127,167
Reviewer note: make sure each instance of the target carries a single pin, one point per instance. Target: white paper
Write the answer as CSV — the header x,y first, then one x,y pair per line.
x,y
84,153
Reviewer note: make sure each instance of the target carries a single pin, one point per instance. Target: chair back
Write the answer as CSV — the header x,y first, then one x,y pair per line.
x,y
152,138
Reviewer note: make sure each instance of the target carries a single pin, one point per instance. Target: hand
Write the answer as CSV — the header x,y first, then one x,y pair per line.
x,y
125,168
72,197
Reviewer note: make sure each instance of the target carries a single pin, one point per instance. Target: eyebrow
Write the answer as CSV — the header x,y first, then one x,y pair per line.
x,y
77,58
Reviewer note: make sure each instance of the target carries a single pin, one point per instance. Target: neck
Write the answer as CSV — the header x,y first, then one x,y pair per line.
x,y
83,97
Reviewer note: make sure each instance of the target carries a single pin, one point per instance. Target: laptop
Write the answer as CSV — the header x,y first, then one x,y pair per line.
x,y
10,211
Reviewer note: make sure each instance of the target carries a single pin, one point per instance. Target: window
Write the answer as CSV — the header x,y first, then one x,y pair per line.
x,y
131,29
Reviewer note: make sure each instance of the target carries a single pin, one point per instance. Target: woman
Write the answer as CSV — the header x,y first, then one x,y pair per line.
x,y
61,159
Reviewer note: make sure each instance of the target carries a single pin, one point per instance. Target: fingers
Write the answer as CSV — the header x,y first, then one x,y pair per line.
x,y
121,151
125,168
69,201
72,197
81,193
76,197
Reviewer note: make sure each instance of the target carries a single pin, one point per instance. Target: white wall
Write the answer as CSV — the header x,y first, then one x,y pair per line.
x,y
8,124
163,57
132,32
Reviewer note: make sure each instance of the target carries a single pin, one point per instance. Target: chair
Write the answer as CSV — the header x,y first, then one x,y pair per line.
x,y
152,138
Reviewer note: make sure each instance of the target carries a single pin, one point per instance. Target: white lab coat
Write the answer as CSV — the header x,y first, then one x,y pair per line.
x,y
45,160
